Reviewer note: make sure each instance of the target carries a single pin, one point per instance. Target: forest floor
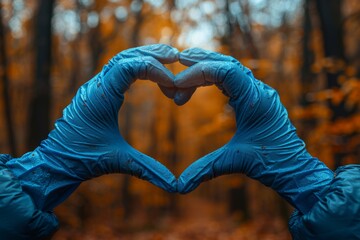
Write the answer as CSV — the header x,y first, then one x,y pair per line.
x,y
200,220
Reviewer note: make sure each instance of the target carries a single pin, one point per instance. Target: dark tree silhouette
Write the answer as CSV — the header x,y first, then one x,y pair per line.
x,y
330,16
39,119
6,96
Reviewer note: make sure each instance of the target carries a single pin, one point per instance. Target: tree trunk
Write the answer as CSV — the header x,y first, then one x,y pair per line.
x,y
6,96
332,31
307,77
40,104
331,26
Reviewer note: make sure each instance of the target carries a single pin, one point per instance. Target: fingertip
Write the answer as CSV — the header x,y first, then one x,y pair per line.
x,y
165,53
189,56
193,176
194,51
202,170
157,72
192,56
181,186
190,77
179,102
168,91
184,186
151,170
173,188
162,52
167,182
182,96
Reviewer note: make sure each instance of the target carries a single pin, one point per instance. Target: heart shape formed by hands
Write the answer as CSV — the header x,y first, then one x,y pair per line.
x,y
86,142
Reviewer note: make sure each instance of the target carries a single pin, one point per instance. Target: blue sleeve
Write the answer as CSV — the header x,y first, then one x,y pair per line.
x,y
19,219
337,215
4,158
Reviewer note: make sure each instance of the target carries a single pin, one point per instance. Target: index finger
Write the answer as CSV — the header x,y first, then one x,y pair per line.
x,y
192,56
161,52
204,73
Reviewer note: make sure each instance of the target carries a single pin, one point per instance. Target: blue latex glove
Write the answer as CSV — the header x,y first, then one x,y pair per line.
x,y
86,141
265,146
19,218
337,215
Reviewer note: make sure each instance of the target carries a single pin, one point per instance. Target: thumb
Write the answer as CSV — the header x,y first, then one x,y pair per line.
x,y
225,160
43,224
147,168
135,163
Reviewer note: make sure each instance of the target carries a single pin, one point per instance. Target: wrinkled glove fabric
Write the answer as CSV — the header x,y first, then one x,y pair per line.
x,y
86,141
337,214
19,218
265,146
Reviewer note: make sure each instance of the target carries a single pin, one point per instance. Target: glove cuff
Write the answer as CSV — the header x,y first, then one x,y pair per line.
x,y
19,218
302,183
46,182
336,215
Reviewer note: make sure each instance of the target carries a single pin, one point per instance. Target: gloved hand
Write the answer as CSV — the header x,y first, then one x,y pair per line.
x,y
265,146
19,218
337,214
86,141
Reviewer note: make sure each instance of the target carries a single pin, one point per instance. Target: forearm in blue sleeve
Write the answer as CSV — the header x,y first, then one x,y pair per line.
x,y
337,214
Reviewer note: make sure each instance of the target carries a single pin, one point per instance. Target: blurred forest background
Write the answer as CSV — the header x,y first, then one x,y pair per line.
x,y
307,49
